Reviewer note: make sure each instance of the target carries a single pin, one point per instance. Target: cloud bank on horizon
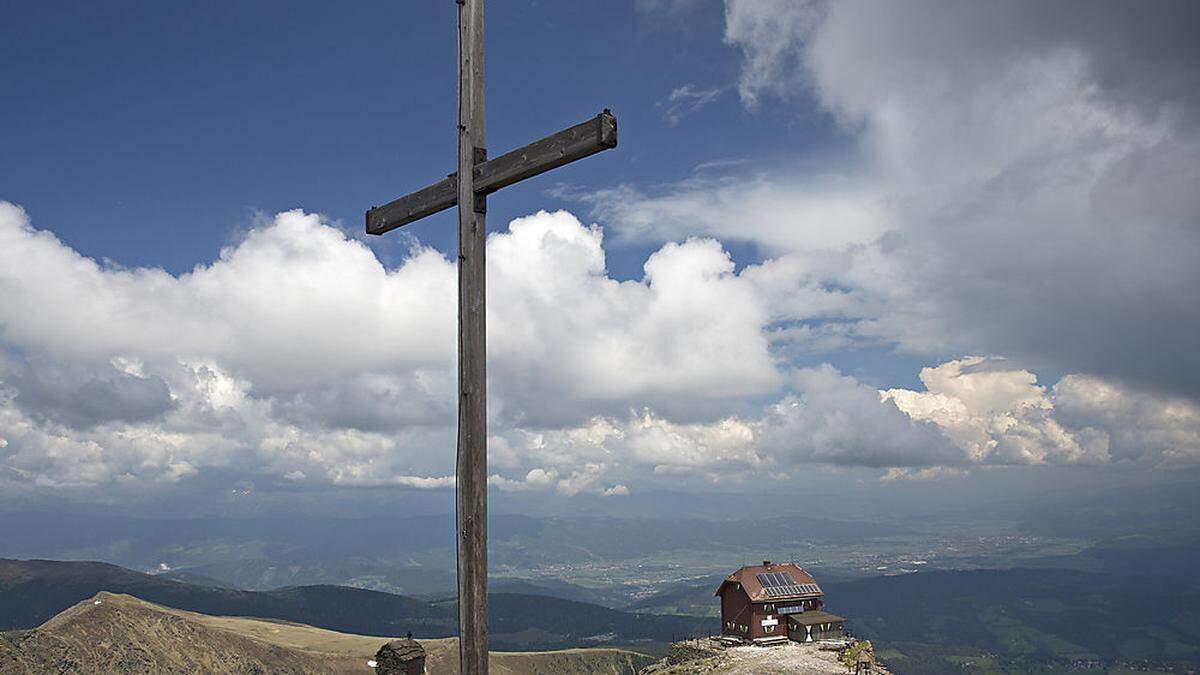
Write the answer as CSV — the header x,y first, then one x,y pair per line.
x,y
298,356
1023,188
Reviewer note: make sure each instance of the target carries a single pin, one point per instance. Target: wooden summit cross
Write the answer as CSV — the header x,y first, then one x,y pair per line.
x,y
476,177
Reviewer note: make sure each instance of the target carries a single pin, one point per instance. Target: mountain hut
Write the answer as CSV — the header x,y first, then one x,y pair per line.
x,y
773,602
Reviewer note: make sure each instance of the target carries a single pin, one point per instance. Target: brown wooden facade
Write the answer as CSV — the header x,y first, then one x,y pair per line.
x,y
751,612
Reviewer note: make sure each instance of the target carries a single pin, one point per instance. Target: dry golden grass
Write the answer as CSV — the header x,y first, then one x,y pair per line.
x,y
113,633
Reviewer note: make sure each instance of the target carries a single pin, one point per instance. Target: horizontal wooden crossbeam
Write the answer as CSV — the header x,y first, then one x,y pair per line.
x,y
564,147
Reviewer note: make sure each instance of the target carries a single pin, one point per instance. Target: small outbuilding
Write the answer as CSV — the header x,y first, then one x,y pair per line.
x,y
816,625
773,602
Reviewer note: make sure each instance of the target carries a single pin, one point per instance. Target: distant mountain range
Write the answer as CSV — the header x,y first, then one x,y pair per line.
x,y
1022,619
32,591
1068,579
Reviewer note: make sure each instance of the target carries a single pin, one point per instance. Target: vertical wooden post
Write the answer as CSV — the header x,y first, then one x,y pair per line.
x,y
468,191
472,357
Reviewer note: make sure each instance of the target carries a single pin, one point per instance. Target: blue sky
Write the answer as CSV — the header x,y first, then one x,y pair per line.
x,y
883,243
156,134
150,133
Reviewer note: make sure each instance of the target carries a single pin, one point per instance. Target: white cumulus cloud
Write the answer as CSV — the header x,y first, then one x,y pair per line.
x,y
298,357
1020,182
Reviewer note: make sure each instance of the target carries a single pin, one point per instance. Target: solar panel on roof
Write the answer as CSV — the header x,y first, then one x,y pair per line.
x,y
770,579
779,584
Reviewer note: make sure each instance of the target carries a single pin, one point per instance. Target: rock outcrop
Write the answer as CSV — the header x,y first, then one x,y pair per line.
x,y
692,657
400,657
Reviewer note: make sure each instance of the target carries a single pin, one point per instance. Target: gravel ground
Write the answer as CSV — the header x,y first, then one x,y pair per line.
x,y
790,658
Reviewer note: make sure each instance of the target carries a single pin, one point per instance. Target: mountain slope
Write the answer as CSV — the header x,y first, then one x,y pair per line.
x,y
111,633
31,591
1042,614
121,634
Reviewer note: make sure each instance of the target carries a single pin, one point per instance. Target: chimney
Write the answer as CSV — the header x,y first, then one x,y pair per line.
x,y
766,563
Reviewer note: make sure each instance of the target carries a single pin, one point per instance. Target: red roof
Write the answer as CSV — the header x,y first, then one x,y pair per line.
x,y
747,578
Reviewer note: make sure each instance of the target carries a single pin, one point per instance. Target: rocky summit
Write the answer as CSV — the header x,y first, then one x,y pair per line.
x,y
694,657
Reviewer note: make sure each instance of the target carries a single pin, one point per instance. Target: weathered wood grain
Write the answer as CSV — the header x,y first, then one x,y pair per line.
x,y
575,143
472,350
481,177
582,140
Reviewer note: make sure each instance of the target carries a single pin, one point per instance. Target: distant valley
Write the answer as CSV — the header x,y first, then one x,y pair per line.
x,y
1064,580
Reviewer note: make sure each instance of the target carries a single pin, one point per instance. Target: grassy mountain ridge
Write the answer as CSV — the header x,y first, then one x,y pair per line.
x,y
31,591
120,633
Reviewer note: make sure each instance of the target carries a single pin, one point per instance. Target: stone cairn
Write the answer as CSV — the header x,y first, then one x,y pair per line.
x,y
400,657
